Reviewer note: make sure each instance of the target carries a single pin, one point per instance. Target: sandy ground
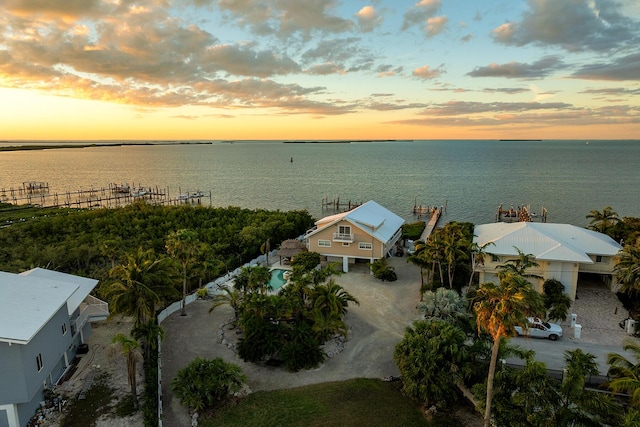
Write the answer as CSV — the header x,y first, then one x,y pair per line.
x,y
101,359
376,326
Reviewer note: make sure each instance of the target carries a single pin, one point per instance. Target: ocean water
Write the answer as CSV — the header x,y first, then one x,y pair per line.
x,y
470,178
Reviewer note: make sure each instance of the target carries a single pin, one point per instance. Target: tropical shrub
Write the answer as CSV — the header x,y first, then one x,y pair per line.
x,y
556,301
204,382
383,271
431,358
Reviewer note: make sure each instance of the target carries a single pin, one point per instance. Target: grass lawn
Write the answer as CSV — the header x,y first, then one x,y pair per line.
x,y
359,402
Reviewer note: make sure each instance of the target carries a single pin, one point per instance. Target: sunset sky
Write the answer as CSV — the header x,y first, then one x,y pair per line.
x,y
319,69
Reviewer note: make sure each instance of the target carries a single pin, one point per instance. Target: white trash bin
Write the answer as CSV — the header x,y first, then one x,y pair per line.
x,y
577,332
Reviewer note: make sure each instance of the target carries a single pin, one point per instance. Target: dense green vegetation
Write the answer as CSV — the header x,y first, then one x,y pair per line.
x,y
91,242
288,327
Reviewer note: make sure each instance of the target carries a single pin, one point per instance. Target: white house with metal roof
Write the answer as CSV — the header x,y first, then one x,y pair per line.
x,y
367,232
563,251
44,317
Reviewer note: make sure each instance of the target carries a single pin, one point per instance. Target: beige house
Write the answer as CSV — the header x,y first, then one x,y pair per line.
x,y
564,252
366,233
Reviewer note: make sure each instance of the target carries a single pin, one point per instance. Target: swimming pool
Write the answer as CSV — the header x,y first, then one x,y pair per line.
x,y
277,279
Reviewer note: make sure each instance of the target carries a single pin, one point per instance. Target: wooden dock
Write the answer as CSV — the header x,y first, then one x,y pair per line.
x,y
114,195
333,204
519,214
431,224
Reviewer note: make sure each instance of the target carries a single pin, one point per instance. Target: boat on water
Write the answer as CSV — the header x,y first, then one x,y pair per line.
x,y
139,192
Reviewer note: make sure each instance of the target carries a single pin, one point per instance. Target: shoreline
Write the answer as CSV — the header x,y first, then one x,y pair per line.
x,y
98,144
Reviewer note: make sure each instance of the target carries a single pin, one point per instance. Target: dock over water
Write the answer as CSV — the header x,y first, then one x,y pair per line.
x,y
431,224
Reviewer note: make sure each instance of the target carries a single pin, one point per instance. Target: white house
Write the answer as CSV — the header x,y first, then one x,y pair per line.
x,y
367,232
562,251
44,316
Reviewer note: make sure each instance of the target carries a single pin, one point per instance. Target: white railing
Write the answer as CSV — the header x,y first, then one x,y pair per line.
x,y
91,307
343,237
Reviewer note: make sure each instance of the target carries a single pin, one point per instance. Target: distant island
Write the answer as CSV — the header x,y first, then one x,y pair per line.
x,y
96,144
339,142
519,140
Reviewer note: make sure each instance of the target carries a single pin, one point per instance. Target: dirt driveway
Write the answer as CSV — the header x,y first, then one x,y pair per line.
x,y
376,326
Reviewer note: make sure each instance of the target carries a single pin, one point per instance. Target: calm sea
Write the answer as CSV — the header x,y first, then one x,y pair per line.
x,y
470,178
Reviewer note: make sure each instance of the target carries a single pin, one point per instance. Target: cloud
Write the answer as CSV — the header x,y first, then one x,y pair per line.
x,y
368,19
456,108
426,72
517,70
435,25
325,69
420,12
577,25
625,68
244,61
505,90
285,18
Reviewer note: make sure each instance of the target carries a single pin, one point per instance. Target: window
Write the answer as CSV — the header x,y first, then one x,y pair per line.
x,y
365,245
495,258
64,328
39,361
346,244
602,259
344,229
324,243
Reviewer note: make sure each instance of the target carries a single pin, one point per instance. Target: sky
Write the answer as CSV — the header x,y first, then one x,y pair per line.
x,y
319,69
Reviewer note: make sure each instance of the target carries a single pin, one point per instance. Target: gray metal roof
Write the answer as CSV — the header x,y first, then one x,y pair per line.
x,y
546,241
85,285
29,300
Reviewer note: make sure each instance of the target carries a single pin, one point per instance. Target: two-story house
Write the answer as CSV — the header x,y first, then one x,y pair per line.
x,y
368,232
562,252
44,316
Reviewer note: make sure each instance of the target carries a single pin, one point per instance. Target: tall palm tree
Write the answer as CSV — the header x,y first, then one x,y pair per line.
x,y
478,254
129,348
499,308
626,373
627,268
148,335
602,220
140,285
454,249
183,245
421,259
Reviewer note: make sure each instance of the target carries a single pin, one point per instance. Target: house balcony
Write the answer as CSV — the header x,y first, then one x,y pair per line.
x,y
343,237
92,309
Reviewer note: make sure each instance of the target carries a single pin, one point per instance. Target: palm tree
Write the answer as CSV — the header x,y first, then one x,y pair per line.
x,y
478,254
454,249
431,358
445,304
499,308
627,268
148,335
331,298
420,258
602,221
140,285
231,296
183,245
625,373
129,348
519,266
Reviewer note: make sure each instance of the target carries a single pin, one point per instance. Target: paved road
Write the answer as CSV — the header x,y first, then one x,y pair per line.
x,y
552,352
